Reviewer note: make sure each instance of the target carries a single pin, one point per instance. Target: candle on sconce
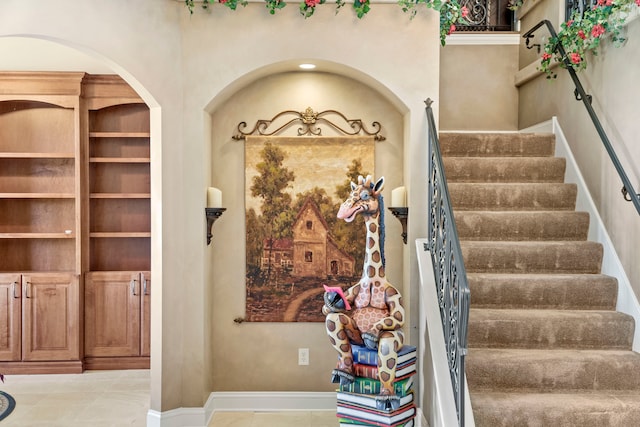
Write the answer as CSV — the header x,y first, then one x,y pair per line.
x,y
214,198
399,197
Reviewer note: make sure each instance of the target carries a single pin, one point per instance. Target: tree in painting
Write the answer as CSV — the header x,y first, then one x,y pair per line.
x,y
269,185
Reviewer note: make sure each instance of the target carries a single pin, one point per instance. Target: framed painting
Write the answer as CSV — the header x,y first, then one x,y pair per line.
x,y
294,242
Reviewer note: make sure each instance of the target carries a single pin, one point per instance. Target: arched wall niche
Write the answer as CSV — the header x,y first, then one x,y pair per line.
x,y
261,95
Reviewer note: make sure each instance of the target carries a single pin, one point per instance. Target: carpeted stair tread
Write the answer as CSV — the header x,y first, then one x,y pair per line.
x,y
512,196
522,225
531,328
504,169
497,409
569,291
552,370
546,346
496,144
532,257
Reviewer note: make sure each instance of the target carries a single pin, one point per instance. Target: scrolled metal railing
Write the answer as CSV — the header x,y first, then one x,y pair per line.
x,y
628,192
451,278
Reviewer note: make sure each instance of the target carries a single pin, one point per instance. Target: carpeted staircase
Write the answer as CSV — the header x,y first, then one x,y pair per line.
x,y
546,346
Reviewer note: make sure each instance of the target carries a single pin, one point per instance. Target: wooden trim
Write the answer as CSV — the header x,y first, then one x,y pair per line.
x,y
115,363
21,368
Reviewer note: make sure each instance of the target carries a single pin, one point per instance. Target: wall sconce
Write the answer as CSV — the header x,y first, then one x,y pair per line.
x,y
212,214
402,214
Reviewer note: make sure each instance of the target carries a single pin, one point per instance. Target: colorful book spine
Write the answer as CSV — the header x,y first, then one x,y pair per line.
x,y
376,418
369,371
345,422
368,401
364,385
368,356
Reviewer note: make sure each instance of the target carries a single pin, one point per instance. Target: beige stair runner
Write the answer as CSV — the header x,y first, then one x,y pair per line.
x,y
546,346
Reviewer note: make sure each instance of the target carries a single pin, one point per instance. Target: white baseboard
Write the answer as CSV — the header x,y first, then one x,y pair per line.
x,y
243,402
611,264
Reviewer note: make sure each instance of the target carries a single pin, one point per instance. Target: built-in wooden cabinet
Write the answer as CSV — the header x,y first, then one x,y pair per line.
x,y
117,282
74,203
117,319
39,322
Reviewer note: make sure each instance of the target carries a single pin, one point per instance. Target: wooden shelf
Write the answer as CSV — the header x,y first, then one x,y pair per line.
x,y
37,195
120,195
119,160
37,236
119,134
28,155
120,235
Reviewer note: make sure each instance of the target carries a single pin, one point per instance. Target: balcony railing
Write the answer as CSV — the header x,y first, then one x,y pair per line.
x,y
488,15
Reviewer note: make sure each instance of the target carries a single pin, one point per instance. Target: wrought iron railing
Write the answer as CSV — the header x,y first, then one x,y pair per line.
x,y
451,277
579,6
488,15
628,192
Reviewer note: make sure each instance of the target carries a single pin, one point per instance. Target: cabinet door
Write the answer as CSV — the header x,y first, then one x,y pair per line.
x,y
50,327
10,315
112,314
145,313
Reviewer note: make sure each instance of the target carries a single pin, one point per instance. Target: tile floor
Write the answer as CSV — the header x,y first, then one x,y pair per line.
x,y
93,398
118,399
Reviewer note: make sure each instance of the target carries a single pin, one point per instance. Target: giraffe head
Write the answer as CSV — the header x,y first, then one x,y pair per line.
x,y
363,199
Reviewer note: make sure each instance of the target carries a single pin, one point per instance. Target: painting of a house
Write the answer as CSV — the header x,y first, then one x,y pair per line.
x,y
315,253
295,243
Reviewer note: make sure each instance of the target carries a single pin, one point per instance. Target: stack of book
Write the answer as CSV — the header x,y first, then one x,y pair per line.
x,y
357,401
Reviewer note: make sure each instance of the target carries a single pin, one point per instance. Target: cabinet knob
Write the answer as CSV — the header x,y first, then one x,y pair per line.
x,y
133,287
27,294
15,289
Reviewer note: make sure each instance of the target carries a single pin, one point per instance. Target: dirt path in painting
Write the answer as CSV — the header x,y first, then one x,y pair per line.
x,y
294,307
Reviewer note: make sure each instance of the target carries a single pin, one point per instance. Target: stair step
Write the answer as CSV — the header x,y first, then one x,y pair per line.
x,y
552,370
504,169
532,328
510,144
532,257
509,196
556,409
522,225
555,291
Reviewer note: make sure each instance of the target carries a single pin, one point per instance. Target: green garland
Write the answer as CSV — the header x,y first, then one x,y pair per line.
x,y
581,35
451,13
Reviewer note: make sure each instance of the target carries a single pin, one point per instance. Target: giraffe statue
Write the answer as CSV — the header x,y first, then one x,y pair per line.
x,y
377,315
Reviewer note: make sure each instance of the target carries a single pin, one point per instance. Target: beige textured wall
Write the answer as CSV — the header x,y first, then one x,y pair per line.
x,y
186,67
476,87
265,355
611,78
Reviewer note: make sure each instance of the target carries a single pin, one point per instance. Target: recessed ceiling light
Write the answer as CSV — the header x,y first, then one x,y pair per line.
x,y
307,66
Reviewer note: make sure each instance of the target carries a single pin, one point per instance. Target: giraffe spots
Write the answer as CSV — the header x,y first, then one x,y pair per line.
x,y
364,296
384,376
342,335
399,317
375,257
330,324
391,363
373,227
371,242
345,347
367,317
371,271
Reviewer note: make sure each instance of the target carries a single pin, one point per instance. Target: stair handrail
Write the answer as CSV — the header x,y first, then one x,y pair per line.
x,y
628,192
450,274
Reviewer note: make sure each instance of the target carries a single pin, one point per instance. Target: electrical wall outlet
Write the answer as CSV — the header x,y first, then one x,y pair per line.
x,y
303,356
